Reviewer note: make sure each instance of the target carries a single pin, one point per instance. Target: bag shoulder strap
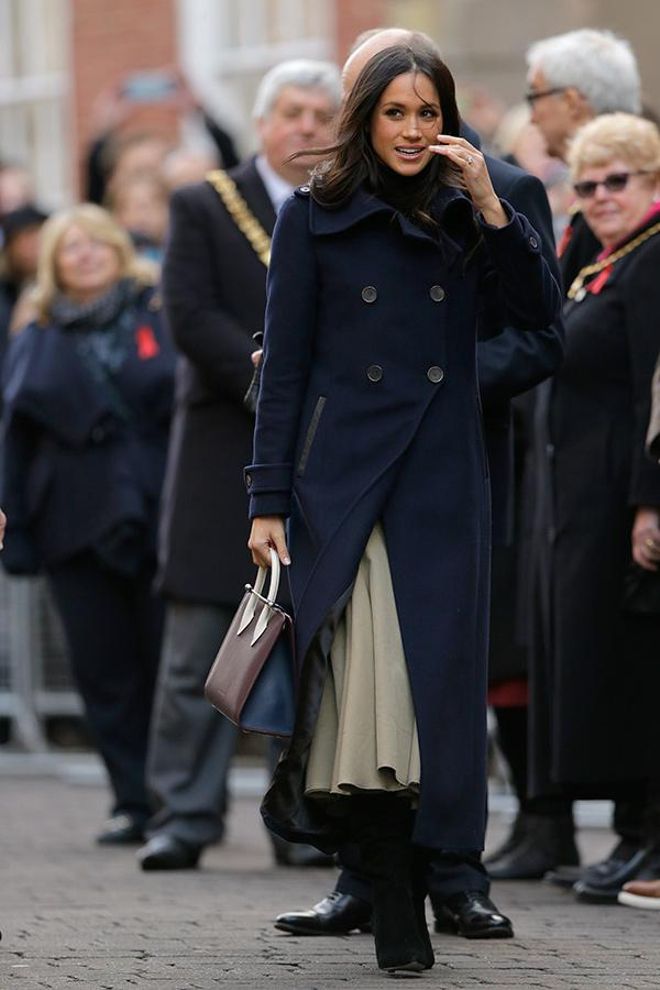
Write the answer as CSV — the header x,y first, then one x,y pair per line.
x,y
241,214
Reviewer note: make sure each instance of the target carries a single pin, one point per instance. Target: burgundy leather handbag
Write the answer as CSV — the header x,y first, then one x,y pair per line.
x,y
251,681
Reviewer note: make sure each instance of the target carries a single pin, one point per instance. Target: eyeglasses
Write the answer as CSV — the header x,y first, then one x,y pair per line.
x,y
614,182
532,95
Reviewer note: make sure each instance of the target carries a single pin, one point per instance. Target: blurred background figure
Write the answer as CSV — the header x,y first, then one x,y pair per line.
x,y
139,202
571,78
21,233
214,285
519,141
88,400
16,187
596,631
184,166
125,156
120,147
481,110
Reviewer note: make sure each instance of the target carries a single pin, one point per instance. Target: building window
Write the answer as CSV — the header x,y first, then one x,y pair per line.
x,y
33,92
226,47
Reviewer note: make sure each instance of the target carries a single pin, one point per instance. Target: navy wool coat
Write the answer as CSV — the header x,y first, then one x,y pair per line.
x,y
369,410
74,472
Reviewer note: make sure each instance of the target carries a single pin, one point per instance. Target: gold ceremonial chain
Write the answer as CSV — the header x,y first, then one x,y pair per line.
x,y
241,214
578,291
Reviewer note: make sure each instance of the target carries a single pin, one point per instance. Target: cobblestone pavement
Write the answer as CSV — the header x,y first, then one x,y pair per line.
x,y
77,916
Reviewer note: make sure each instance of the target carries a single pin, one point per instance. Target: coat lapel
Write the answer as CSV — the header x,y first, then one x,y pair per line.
x,y
254,192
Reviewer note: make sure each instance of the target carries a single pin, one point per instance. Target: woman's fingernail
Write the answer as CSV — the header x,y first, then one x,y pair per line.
x,y
287,560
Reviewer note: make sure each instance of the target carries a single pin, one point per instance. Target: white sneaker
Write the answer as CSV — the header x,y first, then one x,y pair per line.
x,y
638,901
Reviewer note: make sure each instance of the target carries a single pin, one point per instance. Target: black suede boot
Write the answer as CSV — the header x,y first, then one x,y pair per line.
x,y
382,828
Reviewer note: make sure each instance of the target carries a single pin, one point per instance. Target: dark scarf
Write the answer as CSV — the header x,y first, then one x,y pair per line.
x,y
104,330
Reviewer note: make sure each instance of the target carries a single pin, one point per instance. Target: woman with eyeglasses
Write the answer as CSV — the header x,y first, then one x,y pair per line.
x,y
597,533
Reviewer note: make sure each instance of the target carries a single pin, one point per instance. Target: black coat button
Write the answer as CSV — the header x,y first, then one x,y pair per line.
x,y
374,372
248,480
435,374
437,293
533,243
370,293
98,434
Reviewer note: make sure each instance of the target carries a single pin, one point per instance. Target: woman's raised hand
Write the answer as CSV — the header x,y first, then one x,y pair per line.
x,y
267,532
472,167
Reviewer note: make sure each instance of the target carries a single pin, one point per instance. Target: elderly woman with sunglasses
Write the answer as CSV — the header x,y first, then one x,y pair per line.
x,y
597,533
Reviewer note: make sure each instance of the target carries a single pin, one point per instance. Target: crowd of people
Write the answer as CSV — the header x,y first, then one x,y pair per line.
x,y
455,455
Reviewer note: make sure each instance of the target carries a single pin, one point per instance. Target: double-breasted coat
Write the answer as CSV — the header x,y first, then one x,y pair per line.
x,y
214,290
369,411
596,676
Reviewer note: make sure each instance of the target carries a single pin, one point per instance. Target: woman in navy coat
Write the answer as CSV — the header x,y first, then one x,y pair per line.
x,y
369,427
88,394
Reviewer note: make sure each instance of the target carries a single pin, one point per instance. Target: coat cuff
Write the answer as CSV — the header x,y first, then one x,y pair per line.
x,y
517,226
267,478
269,488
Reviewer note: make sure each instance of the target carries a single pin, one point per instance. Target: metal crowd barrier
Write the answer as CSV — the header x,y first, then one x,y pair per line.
x,y
35,677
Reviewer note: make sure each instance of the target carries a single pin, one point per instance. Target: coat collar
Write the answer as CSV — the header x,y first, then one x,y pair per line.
x,y
364,204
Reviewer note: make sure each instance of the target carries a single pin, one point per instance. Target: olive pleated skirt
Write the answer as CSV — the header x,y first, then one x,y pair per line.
x,y
366,734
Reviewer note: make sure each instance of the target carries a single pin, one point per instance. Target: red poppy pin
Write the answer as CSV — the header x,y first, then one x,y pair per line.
x,y
147,345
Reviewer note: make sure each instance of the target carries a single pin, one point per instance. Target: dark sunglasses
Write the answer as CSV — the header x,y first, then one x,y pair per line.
x,y
532,95
614,182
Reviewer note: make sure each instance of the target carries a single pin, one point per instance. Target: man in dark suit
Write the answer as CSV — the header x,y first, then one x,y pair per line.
x,y
572,78
510,363
214,286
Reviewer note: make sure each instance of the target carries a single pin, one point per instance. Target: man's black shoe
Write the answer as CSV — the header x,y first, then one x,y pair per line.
x,y
167,852
336,914
473,915
565,876
121,830
600,872
602,887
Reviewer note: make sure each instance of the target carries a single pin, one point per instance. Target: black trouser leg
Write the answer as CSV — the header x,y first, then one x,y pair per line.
x,y
652,817
512,739
629,816
452,873
455,873
113,626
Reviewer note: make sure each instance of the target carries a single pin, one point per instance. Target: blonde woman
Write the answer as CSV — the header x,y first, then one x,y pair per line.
x,y
597,677
88,393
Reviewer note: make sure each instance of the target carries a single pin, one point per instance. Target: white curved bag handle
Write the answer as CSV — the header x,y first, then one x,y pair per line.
x,y
257,595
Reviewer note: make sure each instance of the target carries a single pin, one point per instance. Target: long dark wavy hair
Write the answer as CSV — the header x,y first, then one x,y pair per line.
x,y
352,162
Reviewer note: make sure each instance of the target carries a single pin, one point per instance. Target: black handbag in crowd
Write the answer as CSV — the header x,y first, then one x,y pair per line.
x,y
251,681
